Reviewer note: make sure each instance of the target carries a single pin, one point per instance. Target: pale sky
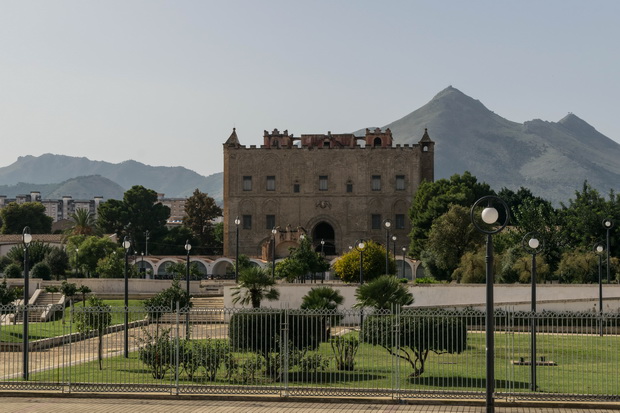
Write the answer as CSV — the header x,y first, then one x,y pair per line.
x,y
164,82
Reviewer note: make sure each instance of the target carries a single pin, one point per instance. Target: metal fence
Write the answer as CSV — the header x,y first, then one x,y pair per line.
x,y
412,353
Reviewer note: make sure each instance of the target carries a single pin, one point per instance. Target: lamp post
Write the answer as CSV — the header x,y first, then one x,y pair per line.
x,y
394,249
146,242
127,246
608,224
142,269
404,251
387,224
531,243
274,231
27,239
322,255
188,248
77,256
489,216
237,222
360,245
599,248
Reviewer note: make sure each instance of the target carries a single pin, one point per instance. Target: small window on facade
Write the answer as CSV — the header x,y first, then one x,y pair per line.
x,y
270,221
375,221
271,183
296,188
349,186
376,183
247,183
323,183
377,142
247,222
400,182
400,221
425,148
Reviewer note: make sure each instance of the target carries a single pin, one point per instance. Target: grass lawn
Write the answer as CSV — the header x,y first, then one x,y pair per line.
x,y
586,364
61,325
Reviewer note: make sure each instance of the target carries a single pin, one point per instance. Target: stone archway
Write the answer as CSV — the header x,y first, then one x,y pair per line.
x,y
323,231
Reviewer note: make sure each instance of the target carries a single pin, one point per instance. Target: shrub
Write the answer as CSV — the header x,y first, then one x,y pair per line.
x,y
42,270
157,352
345,349
13,271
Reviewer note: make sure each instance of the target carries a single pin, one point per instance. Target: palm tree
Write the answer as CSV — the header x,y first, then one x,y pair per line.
x,y
383,292
83,223
321,298
255,285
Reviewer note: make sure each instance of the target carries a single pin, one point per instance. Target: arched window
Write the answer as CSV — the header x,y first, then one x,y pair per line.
x,y
377,142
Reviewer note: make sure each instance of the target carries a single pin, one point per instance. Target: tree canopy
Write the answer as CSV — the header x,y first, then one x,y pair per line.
x,y
200,211
16,216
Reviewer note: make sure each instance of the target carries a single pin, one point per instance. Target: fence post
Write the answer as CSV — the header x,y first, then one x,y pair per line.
x,y
285,350
176,351
396,338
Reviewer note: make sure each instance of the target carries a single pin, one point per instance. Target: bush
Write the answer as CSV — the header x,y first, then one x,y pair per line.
x,y
157,352
13,271
209,355
345,349
167,300
4,262
421,332
42,270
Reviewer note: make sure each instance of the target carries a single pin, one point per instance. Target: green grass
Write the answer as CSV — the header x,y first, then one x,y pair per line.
x,y
61,325
585,365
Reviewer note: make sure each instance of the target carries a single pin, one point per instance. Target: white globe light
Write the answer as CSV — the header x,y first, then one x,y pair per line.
x,y
490,215
188,247
361,245
126,244
599,248
27,238
533,243
387,224
607,223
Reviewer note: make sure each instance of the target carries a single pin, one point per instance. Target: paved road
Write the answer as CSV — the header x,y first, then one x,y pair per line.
x,y
22,404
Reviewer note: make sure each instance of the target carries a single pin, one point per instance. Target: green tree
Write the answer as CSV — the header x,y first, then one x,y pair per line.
x,y
254,285
7,294
41,270
13,271
83,290
301,261
69,290
30,214
523,267
172,242
112,265
36,253
348,265
578,267
420,332
83,222
138,212
90,249
166,300
451,236
382,293
321,298
200,211
96,316
4,261
58,260
433,199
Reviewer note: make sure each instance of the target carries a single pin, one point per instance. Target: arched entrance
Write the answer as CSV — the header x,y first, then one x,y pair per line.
x,y
324,232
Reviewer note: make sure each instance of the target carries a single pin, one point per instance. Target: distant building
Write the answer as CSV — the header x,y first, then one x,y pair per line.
x,y
328,186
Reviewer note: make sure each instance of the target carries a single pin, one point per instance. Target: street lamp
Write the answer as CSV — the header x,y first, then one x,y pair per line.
x,y
77,255
394,248
599,248
322,255
237,222
532,244
404,251
387,224
608,224
188,248
274,231
27,239
360,245
489,216
127,246
146,242
142,270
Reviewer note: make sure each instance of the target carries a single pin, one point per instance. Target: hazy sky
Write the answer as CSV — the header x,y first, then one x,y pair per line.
x,y
164,82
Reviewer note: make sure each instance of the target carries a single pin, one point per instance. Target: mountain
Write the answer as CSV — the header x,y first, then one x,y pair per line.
x,y
49,169
550,158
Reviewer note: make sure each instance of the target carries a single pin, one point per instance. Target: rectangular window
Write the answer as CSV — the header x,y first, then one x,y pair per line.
x,y
400,221
400,182
376,183
375,221
247,183
296,188
247,222
271,183
349,187
323,183
270,221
